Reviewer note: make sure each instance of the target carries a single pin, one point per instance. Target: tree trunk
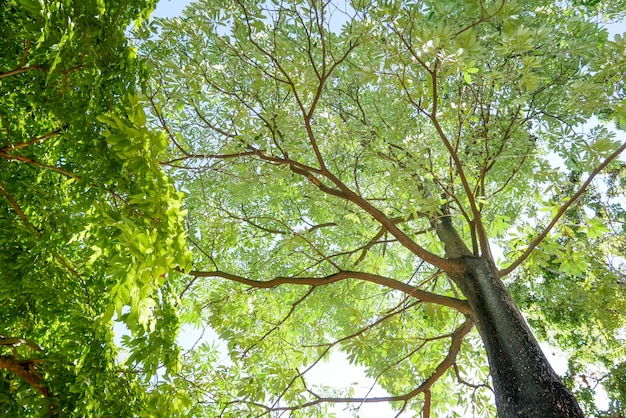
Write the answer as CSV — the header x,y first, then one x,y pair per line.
x,y
525,384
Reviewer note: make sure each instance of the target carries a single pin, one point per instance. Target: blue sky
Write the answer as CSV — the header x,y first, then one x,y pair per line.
x,y
170,8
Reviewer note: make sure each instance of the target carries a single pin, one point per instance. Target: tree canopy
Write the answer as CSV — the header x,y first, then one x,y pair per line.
x,y
388,180
322,143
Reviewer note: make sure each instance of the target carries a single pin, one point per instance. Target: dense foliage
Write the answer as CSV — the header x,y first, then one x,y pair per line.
x,y
90,221
331,154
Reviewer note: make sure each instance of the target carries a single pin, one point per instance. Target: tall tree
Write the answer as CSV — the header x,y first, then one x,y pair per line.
x,y
353,171
88,217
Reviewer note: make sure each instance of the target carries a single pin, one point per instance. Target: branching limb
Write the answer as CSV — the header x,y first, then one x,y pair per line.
x,y
340,189
462,381
482,19
385,221
400,360
282,321
359,332
363,330
25,370
252,221
455,346
8,156
562,211
344,192
165,126
327,348
22,159
433,74
477,218
33,141
377,239
457,304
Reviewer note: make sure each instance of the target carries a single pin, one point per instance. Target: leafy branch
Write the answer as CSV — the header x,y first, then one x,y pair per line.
x,y
559,214
23,70
282,321
455,346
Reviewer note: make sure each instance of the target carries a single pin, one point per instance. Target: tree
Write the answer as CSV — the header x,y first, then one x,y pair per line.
x,y
354,170
90,221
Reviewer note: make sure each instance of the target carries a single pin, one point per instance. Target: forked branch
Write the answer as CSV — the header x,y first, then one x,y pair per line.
x,y
455,346
282,321
24,369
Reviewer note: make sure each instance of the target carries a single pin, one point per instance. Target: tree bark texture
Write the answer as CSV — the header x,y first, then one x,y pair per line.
x,y
525,384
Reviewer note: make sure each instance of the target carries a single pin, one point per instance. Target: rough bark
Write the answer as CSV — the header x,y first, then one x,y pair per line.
x,y
524,382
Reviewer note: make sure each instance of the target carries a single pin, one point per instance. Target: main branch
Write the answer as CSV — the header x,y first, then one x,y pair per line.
x,y
457,304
